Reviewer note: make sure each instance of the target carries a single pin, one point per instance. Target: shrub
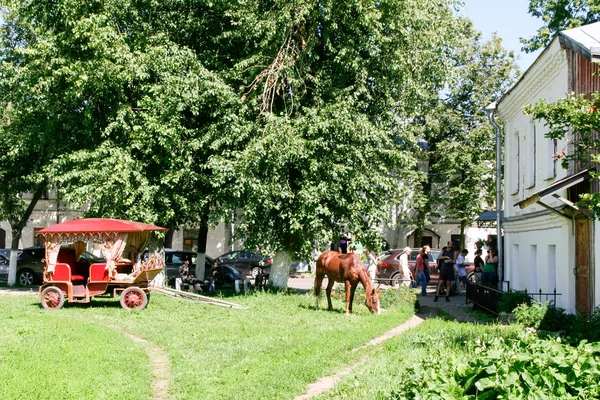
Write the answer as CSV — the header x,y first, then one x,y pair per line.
x,y
525,367
544,316
396,296
512,299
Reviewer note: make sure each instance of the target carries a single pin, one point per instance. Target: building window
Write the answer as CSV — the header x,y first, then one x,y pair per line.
x,y
531,164
532,281
551,267
516,175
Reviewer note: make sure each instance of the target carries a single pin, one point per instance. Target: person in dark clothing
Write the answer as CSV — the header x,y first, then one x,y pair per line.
x,y
342,246
446,260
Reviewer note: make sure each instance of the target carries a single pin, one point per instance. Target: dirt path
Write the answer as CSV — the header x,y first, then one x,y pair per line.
x,y
328,382
160,366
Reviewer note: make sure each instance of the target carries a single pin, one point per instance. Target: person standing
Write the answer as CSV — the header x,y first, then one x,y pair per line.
x,y
405,274
372,262
420,266
478,262
446,271
488,273
461,270
342,246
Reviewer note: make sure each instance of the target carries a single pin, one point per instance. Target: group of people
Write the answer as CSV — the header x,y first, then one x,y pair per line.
x,y
451,267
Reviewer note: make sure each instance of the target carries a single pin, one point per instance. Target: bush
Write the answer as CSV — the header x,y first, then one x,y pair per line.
x,y
395,296
525,367
544,316
512,299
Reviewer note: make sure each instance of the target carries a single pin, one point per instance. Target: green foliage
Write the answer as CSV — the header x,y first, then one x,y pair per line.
x,y
578,117
510,300
460,181
395,297
525,367
558,15
544,316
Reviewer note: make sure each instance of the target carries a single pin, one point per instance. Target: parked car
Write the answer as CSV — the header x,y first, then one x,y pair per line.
x,y
389,264
3,268
30,267
174,259
248,262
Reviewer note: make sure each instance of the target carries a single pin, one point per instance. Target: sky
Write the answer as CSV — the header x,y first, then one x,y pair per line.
x,y
510,20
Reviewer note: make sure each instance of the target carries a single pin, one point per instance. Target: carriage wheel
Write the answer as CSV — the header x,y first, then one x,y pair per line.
x,y
52,298
133,298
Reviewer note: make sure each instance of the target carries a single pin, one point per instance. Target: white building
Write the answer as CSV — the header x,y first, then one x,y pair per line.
x,y
549,243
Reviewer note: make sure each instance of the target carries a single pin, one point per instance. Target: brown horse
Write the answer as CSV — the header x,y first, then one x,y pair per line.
x,y
349,269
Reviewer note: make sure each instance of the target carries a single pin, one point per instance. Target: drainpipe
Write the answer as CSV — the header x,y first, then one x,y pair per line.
x,y
490,111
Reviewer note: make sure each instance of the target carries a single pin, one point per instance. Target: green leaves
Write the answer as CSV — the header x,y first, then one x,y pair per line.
x,y
523,367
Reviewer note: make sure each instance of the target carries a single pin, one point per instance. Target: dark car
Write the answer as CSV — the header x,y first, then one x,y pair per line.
x,y
3,268
248,262
30,267
175,259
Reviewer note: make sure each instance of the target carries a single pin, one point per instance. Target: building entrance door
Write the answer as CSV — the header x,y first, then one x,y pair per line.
x,y
582,266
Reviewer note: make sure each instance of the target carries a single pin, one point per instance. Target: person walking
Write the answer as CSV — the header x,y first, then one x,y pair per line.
x,y
405,274
446,271
420,266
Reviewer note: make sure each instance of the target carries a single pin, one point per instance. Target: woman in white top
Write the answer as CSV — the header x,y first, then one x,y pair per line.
x,y
404,271
372,265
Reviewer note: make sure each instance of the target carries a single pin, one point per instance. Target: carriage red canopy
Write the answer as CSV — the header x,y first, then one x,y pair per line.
x,y
92,225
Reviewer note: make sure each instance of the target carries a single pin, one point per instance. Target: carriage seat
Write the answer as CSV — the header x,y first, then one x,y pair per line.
x,y
98,272
67,256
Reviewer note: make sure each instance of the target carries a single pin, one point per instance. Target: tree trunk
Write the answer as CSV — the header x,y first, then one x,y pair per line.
x,y
12,266
17,226
462,235
201,251
169,236
280,270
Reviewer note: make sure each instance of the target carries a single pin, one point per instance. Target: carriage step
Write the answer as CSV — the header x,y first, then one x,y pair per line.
x,y
78,290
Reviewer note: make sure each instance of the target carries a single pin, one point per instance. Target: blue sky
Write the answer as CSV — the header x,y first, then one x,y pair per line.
x,y
509,19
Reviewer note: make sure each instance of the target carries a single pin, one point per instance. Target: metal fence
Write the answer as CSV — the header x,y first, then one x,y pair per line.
x,y
485,297
545,296
489,298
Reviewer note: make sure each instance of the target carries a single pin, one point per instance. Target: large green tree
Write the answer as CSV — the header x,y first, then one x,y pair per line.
x,y
130,116
558,15
456,178
334,86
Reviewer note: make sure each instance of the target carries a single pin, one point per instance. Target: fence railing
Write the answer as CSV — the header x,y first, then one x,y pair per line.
x,y
489,298
485,297
545,296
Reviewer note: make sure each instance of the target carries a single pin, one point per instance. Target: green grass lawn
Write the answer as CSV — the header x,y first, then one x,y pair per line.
x,y
270,350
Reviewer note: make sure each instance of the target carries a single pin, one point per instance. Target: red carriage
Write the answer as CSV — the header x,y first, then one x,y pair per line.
x,y
67,277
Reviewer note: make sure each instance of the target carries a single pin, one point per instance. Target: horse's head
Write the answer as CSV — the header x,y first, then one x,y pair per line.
x,y
372,302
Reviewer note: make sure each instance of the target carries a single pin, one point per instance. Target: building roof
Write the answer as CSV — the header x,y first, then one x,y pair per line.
x,y
584,40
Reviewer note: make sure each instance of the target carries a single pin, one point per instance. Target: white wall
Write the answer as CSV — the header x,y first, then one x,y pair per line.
x,y
538,257
539,245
